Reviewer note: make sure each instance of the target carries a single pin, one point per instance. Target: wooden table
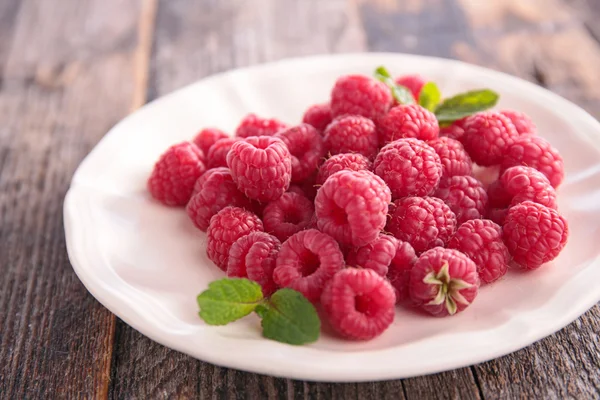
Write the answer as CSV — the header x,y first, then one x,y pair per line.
x,y
72,68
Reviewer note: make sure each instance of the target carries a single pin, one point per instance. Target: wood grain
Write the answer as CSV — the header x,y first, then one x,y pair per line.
x,y
63,86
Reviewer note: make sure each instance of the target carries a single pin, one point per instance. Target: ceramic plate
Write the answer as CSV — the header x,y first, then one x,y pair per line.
x,y
146,262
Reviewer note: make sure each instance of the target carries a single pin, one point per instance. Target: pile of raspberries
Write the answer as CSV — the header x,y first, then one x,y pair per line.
x,y
369,203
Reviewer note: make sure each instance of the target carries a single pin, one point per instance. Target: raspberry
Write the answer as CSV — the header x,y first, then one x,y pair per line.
x,y
306,261
521,121
407,121
410,167
318,116
376,255
443,282
352,134
253,125
399,270
534,234
455,131
465,196
519,184
287,215
214,191
227,226
481,241
538,153
253,256
424,222
261,167
360,95
414,83
351,206
217,154
175,173
342,162
487,137
454,158
207,137
358,303
306,147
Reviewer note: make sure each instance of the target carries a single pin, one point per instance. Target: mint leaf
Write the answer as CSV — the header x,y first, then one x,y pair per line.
x,y
227,300
465,104
290,318
430,96
401,93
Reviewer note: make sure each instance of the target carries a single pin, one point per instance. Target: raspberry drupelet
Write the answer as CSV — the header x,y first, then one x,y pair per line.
x,y
359,303
253,256
213,191
290,213
407,121
175,173
534,234
227,226
318,116
306,148
253,125
307,261
352,134
413,82
341,162
521,121
360,95
465,196
488,136
455,160
410,167
351,206
261,167
481,241
424,222
443,282
217,154
207,137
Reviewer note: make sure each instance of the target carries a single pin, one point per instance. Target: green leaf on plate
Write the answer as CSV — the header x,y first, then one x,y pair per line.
x,y
401,93
465,104
430,96
227,300
290,318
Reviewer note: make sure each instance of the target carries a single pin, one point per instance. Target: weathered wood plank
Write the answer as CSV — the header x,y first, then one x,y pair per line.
x,y
63,76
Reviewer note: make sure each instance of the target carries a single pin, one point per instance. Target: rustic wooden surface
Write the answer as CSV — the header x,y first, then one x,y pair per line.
x,y
70,69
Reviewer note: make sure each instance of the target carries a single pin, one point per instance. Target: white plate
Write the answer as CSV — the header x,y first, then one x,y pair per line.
x,y
146,263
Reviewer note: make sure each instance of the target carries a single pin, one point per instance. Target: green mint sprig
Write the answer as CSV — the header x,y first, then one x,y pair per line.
x,y
287,316
401,93
430,96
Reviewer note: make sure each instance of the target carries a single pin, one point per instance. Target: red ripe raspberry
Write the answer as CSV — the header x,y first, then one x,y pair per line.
x,y
534,234
217,154
360,95
399,270
253,256
407,121
465,196
377,255
351,206
410,167
352,134
175,173
454,158
359,304
414,83
288,214
443,282
214,191
521,121
481,241
306,147
207,137
318,116
525,183
487,137
424,222
261,167
306,261
538,153
253,125
227,226
342,162
455,131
